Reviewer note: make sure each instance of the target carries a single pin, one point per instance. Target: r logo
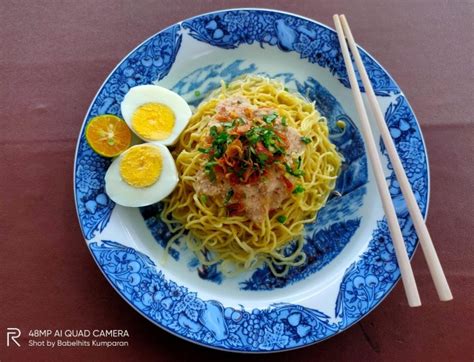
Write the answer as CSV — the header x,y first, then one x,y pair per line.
x,y
12,335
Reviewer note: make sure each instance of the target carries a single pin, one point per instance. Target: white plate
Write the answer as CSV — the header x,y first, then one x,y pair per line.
x,y
351,262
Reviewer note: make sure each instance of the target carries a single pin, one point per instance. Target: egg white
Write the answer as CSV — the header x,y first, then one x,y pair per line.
x,y
142,94
123,194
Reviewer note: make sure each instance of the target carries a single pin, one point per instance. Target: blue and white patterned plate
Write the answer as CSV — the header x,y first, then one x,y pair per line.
x,y
351,265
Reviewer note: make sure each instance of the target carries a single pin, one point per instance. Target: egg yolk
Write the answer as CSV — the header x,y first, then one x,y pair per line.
x,y
141,166
153,121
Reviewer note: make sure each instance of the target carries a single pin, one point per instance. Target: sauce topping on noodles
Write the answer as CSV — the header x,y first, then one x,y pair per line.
x,y
251,159
255,164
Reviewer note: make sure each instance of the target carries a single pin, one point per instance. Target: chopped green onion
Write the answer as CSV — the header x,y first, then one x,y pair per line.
x,y
252,136
210,164
204,150
197,93
209,170
286,89
228,196
281,219
203,198
270,117
279,151
283,121
298,189
221,138
262,158
213,131
210,173
306,140
298,172
228,124
268,139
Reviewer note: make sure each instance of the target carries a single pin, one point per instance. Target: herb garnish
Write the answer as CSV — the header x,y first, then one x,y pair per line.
x,y
243,150
228,196
297,172
298,189
203,198
270,117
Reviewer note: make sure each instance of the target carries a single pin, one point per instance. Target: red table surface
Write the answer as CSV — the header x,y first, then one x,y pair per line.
x,y
54,55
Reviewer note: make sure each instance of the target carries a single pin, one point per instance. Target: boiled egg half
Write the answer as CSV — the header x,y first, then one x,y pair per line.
x,y
142,175
155,114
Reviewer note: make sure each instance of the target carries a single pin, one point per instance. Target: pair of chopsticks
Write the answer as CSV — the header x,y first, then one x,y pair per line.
x,y
434,265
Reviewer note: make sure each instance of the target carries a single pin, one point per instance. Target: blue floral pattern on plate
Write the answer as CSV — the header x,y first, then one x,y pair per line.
x,y
180,311
284,326
314,42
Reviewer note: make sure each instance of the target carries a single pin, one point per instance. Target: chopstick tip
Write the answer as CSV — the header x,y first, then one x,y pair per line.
x,y
446,296
344,20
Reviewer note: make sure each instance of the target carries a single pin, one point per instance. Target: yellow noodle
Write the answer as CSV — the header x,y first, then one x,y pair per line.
x,y
236,242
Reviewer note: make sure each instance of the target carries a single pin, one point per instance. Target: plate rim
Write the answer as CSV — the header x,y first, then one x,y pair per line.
x,y
251,9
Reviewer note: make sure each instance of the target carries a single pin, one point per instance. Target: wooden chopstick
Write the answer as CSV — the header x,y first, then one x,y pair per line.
x,y
434,265
406,271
